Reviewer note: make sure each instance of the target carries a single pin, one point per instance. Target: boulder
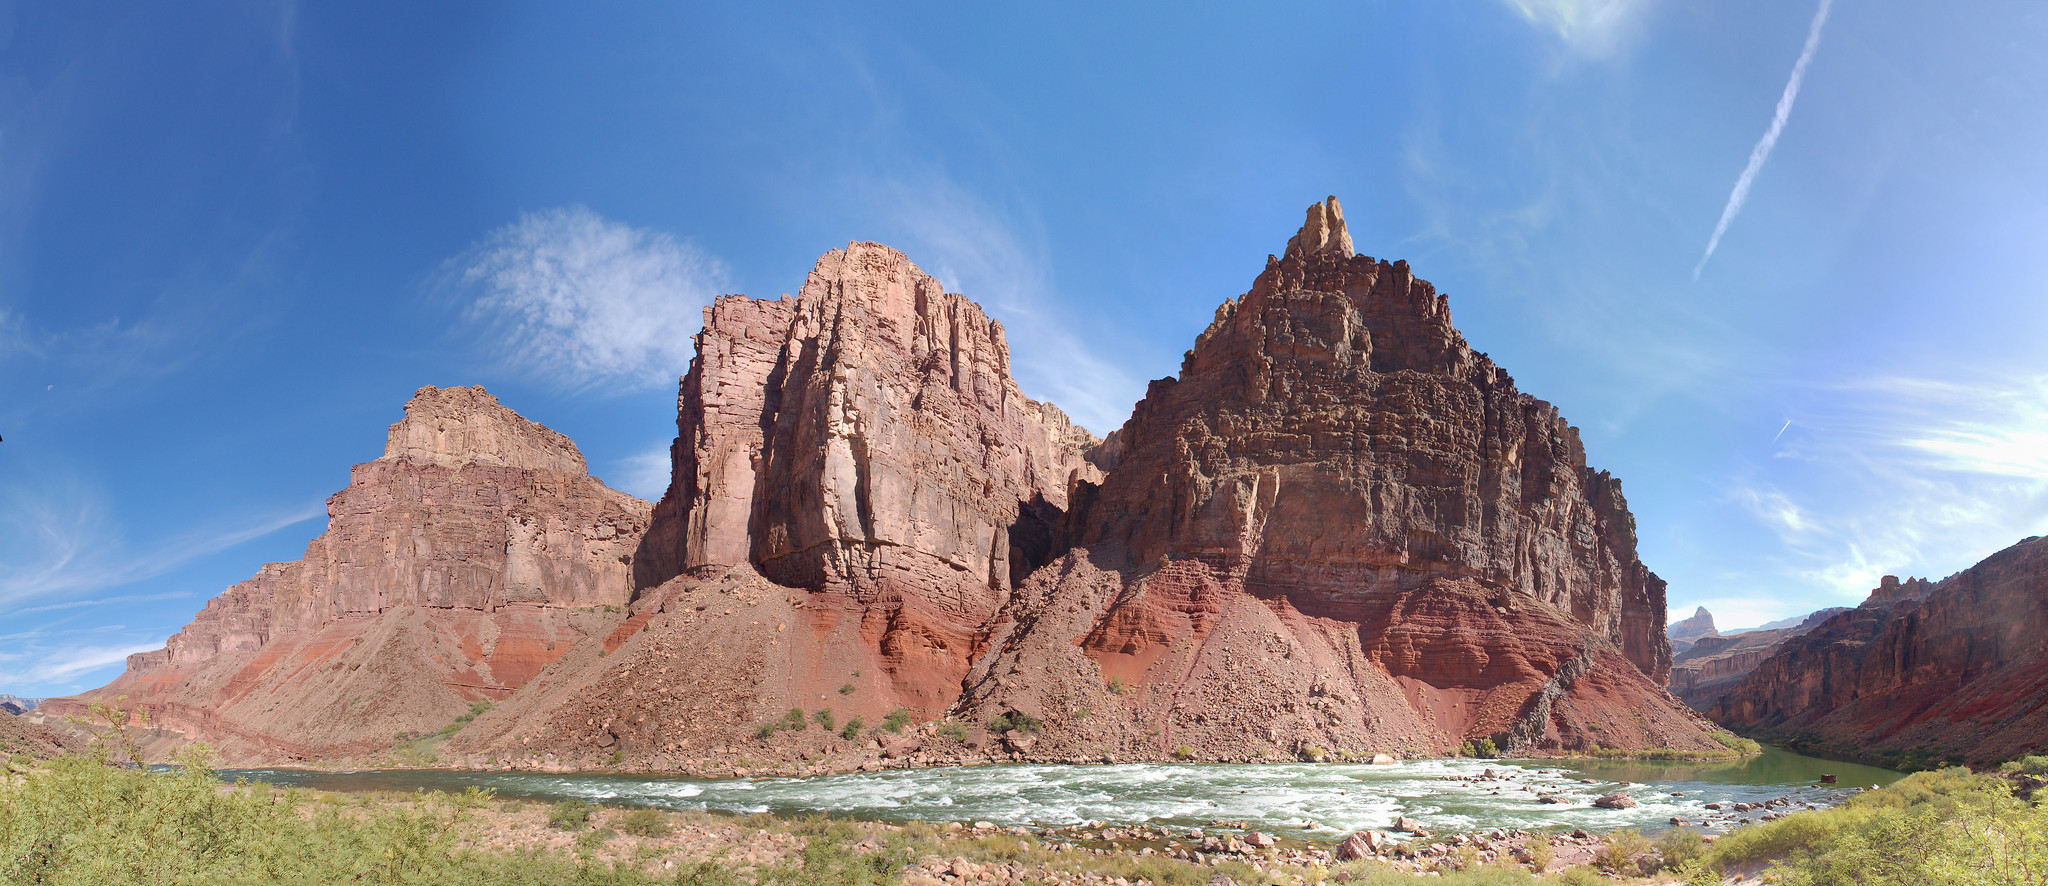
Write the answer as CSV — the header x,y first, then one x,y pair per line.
x,y
1616,801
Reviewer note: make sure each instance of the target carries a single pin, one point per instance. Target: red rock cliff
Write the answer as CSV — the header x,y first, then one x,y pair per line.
x,y
1949,668
455,567
1340,527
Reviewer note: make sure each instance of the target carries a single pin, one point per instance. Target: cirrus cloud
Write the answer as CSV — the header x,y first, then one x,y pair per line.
x,y
581,301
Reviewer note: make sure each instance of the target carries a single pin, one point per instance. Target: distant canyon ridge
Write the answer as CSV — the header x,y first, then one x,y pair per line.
x,y
1337,531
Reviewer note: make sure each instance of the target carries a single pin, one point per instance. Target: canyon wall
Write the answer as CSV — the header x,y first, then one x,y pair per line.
x,y
1948,669
1338,529
473,553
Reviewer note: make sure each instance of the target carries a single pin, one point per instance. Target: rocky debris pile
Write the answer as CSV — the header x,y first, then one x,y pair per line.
x,y
1932,668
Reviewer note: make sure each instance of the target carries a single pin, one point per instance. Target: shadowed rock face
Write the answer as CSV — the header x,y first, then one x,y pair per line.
x,y
1954,667
454,568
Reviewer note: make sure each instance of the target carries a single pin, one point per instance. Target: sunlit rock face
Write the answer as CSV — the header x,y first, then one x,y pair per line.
x,y
866,442
473,553
1949,667
1339,526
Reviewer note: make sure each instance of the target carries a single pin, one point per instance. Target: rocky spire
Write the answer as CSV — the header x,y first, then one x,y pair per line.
x,y
1323,232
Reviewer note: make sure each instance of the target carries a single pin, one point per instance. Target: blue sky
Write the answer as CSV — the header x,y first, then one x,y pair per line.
x,y
234,238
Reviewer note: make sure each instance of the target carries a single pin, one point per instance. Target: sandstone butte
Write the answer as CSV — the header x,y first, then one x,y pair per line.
x,y
1948,668
1684,631
1337,530
477,550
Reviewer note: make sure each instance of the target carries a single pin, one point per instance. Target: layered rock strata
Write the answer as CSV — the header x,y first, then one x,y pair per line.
x,y
866,442
477,550
1338,529
1341,527
1714,663
1950,668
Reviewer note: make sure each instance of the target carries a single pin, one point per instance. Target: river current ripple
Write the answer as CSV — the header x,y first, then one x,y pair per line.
x,y
1281,798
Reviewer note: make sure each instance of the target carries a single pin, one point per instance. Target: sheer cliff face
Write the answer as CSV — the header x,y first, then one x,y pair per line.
x,y
1331,436
1950,667
865,441
1340,527
455,567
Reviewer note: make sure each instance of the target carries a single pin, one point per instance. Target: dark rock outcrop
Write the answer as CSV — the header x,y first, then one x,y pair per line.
x,y
1949,668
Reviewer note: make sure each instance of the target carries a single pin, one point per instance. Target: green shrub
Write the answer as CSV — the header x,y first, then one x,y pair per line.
x,y
1942,827
764,731
1680,847
569,815
852,730
825,720
954,730
794,720
1619,855
1117,686
848,689
1017,720
2026,765
1183,753
896,720
644,822
1738,744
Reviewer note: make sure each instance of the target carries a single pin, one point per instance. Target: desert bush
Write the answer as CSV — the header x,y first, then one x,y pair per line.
x,y
794,721
852,730
1619,855
1738,744
825,720
1679,847
83,821
954,730
645,822
1018,720
896,720
570,815
2030,765
1938,828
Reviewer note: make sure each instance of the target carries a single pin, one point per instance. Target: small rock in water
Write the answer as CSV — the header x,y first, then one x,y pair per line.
x,y
1616,801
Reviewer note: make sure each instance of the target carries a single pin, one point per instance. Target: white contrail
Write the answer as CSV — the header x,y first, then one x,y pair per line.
x,y
1781,432
1762,151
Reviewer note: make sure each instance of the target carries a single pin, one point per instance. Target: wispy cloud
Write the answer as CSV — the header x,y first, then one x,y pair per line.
x,y
1589,27
63,542
974,250
44,671
1906,476
580,301
1762,151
